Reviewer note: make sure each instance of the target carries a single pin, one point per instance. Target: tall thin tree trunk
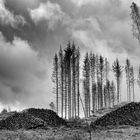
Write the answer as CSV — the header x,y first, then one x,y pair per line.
x,y
65,95
78,92
73,83
69,89
129,90
118,90
133,92
57,96
78,95
93,97
101,90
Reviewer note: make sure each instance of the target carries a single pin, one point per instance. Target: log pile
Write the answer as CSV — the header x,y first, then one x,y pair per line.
x,y
49,116
30,119
21,120
128,114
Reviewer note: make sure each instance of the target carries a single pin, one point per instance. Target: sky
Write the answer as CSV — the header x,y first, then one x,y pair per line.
x,y
31,31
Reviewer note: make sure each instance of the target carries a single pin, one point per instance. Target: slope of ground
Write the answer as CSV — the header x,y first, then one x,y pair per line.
x,y
103,111
128,114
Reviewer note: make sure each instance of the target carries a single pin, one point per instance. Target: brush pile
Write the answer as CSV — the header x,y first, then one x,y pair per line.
x,y
128,114
30,119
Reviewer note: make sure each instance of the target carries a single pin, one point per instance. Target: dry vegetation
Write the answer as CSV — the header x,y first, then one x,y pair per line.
x,y
77,129
122,133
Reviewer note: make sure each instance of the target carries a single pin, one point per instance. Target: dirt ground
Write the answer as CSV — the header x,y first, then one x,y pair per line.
x,y
122,133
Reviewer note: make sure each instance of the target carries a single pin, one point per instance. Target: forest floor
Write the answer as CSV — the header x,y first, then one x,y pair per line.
x,y
120,133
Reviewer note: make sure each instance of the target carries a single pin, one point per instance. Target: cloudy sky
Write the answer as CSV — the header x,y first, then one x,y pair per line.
x,y
31,31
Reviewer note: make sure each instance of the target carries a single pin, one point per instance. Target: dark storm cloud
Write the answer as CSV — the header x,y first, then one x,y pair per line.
x,y
42,38
9,18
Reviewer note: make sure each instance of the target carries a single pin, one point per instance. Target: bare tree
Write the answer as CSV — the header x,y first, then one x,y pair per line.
x,y
86,75
73,80
127,71
117,68
138,80
61,63
113,93
108,87
66,85
107,67
68,54
55,78
97,81
135,16
132,82
101,70
105,95
92,74
77,80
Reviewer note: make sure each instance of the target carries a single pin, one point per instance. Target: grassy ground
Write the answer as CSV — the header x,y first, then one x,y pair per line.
x,y
123,133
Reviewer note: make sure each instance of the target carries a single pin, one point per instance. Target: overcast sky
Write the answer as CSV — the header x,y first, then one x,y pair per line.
x,y
31,31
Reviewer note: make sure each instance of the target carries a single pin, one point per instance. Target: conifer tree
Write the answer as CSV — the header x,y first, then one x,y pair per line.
x,y
86,75
117,68
127,70
132,82
55,78
135,16
101,70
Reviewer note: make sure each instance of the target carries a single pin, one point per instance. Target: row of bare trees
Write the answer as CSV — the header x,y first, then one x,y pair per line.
x,y
98,90
66,79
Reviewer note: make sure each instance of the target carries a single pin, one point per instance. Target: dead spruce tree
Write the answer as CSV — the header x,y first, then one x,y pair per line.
x,y
113,89
61,81
127,71
92,75
66,87
135,16
117,69
73,80
86,84
138,80
101,72
132,82
77,80
68,54
97,81
107,69
55,78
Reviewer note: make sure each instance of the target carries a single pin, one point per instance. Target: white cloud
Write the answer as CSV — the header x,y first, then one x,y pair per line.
x,y
8,18
83,2
50,12
23,74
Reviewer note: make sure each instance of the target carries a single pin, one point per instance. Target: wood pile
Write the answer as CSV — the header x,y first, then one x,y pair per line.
x,y
30,119
128,114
